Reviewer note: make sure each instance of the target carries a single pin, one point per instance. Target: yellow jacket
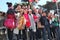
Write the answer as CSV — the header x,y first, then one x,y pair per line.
x,y
21,23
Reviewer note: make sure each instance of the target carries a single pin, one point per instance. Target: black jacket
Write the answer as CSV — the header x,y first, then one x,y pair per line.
x,y
44,20
10,11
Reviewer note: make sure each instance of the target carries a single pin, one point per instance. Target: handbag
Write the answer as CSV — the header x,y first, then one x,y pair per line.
x,y
39,25
9,23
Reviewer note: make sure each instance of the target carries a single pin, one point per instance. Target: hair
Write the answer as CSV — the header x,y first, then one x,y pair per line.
x,y
3,14
55,12
11,11
43,12
9,4
29,5
15,6
31,10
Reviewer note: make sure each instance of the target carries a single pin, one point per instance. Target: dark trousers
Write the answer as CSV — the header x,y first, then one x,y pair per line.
x,y
47,27
32,35
10,34
20,34
38,33
55,31
43,35
23,35
17,36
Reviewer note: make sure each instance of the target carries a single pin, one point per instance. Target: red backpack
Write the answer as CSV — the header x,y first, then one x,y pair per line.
x,y
10,22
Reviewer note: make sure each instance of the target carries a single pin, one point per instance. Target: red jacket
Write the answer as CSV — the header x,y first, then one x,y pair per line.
x,y
27,20
35,18
28,24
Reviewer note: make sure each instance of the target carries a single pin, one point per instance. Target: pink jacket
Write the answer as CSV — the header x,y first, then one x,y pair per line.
x,y
27,20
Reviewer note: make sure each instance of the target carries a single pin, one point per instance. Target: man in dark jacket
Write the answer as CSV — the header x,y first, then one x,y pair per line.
x,y
44,21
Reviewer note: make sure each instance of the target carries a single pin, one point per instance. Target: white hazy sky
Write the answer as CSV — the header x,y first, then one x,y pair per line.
x,y
3,6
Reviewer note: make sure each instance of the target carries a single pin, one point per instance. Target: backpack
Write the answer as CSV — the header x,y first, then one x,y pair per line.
x,y
10,21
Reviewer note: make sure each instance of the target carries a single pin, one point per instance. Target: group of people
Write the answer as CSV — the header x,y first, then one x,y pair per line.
x,y
31,24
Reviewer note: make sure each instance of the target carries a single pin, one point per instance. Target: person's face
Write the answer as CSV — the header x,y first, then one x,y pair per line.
x,y
53,16
40,10
28,6
10,7
18,7
25,10
36,10
30,12
44,14
23,7
21,11
49,14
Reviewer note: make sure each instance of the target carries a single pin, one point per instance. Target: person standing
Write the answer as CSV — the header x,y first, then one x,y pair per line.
x,y
44,21
32,28
49,17
21,25
18,11
10,15
39,28
55,26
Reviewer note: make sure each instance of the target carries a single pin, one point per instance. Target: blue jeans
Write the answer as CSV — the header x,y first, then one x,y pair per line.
x,y
47,27
39,35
